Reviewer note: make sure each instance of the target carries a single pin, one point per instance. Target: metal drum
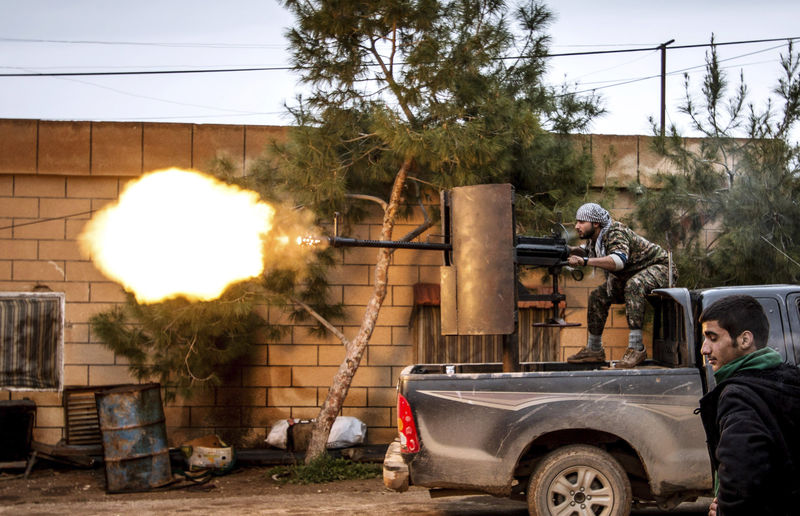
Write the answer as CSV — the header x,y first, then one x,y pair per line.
x,y
134,438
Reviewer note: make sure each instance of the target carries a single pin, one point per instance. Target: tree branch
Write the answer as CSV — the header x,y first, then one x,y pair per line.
x,y
333,329
372,198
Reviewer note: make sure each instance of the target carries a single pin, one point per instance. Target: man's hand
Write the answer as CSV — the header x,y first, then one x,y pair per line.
x,y
712,509
575,261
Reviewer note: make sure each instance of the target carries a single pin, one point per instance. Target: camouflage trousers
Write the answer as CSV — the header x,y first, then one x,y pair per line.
x,y
631,290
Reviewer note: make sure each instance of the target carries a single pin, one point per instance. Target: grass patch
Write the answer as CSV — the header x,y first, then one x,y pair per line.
x,y
325,469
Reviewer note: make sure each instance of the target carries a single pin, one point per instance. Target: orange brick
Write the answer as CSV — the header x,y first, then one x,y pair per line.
x,y
304,412
389,355
74,228
42,399
401,274
371,376
40,186
312,376
331,355
93,187
59,250
49,229
219,417
116,148
88,354
292,355
76,333
361,294
356,397
349,275
75,208
64,147
382,397
401,336
6,185
107,293
263,416
292,397
5,271
212,141
18,249
166,146
402,295
38,270
242,396
82,312
83,271
18,146
429,274
266,376
19,207
394,316
76,375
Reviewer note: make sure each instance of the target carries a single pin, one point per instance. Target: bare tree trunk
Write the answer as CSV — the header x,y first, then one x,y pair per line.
x,y
355,350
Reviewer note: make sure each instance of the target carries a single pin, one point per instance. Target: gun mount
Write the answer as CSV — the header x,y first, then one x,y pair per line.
x,y
479,285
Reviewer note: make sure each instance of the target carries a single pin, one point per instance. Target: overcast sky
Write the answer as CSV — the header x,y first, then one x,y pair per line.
x,y
103,35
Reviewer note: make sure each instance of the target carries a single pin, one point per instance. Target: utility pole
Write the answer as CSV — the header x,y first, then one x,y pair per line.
x,y
663,48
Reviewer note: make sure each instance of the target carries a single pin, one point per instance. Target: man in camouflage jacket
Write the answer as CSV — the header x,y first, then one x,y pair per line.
x,y
633,267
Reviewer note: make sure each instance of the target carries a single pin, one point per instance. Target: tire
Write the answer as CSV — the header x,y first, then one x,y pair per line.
x,y
579,480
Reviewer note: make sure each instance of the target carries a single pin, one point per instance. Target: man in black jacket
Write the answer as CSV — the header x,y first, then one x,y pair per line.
x,y
752,417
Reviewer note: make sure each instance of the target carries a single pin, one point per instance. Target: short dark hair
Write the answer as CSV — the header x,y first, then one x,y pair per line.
x,y
737,314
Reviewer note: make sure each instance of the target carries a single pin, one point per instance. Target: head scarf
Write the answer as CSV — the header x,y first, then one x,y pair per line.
x,y
593,212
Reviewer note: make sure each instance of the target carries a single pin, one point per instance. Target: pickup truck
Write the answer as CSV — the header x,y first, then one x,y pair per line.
x,y
576,438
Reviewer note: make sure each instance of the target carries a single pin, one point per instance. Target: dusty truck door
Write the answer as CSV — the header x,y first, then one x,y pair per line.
x,y
793,310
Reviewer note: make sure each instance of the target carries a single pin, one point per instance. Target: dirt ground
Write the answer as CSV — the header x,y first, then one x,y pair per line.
x,y
52,489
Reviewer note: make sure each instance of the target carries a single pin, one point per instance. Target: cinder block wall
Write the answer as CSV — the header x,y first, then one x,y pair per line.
x,y
53,174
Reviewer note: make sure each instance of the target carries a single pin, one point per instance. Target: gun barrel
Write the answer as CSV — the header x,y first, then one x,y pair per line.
x,y
388,244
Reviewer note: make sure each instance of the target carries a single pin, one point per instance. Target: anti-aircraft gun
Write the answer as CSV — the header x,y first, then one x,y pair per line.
x,y
479,285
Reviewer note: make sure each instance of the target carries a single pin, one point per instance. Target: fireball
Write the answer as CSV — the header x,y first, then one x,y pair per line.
x,y
179,233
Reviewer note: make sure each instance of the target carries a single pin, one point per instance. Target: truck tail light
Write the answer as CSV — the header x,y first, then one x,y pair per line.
x,y
409,441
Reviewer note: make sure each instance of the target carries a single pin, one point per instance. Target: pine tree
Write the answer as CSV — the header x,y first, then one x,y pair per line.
x,y
731,212
409,97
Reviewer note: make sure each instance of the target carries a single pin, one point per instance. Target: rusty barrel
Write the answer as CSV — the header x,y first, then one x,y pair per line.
x,y
134,434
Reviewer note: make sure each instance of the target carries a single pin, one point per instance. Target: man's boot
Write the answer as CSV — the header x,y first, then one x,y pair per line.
x,y
588,356
631,359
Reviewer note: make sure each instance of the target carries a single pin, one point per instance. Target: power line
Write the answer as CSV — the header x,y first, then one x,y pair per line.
x,y
289,68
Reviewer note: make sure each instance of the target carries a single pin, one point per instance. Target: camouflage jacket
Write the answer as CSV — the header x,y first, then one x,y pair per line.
x,y
636,252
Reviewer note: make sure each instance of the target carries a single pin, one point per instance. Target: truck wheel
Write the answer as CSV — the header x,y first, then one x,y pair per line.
x,y
579,480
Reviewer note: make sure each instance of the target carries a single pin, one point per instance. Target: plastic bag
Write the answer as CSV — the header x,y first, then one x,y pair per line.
x,y
346,431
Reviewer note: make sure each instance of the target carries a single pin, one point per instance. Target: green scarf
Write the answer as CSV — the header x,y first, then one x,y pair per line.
x,y
764,358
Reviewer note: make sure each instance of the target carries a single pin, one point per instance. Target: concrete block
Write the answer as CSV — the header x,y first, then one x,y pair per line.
x,y
292,397
48,435
116,148
373,417
77,333
64,148
356,397
166,146
370,376
5,272
18,249
33,228
106,292
402,336
93,187
76,375
6,185
263,416
18,146
110,375
263,376
292,355
58,249
381,397
83,271
211,142
389,355
88,354
401,295
242,396
38,270
19,207
40,186
394,316
75,208
305,376
217,417
381,435
82,312
331,355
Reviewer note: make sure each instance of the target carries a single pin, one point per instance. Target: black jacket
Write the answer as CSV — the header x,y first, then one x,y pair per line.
x,y
752,421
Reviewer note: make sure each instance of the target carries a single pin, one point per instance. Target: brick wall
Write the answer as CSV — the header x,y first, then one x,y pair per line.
x,y
52,174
